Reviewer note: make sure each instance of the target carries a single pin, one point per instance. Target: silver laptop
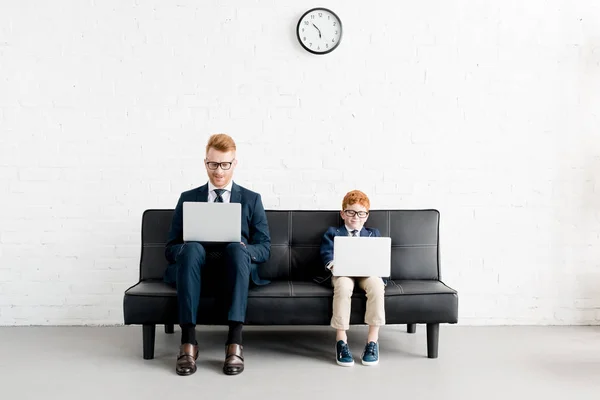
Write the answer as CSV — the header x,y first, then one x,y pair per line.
x,y
362,256
212,222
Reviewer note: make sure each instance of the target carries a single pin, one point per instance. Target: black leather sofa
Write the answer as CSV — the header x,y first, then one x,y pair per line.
x,y
414,295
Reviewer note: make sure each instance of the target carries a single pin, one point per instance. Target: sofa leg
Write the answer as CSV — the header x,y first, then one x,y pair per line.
x,y
148,335
169,328
411,328
433,335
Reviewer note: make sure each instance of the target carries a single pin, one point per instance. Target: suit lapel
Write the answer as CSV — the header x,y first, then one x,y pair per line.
x,y
364,232
236,194
342,231
202,193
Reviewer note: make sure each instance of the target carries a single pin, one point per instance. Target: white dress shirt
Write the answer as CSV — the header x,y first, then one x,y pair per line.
x,y
330,263
226,195
350,231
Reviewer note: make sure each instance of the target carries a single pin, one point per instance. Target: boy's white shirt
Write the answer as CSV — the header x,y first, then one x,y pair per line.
x,y
329,265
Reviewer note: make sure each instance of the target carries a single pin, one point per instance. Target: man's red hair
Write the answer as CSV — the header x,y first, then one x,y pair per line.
x,y
221,142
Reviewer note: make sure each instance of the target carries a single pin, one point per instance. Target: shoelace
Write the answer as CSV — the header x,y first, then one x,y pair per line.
x,y
370,349
345,351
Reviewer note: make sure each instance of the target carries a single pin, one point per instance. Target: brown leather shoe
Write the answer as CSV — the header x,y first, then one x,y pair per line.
x,y
186,360
234,359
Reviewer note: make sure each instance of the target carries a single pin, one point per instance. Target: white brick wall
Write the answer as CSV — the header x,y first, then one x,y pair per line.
x,y
487,111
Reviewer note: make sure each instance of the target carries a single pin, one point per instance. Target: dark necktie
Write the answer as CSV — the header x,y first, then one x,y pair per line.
x,y
219,193
353,232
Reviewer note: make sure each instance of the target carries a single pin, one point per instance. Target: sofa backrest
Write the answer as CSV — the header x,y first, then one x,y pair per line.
x,y
296,239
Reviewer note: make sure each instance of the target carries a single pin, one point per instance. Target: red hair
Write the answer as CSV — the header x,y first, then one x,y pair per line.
x,y
221,142
356,196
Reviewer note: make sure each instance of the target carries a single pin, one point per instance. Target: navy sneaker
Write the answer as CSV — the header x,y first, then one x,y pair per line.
x,y
343,356
370,355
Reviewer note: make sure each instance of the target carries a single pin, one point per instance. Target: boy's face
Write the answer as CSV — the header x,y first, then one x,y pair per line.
x,y
354,222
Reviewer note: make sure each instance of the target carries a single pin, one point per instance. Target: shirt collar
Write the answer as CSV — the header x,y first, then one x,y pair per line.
x,y
212,187
350,230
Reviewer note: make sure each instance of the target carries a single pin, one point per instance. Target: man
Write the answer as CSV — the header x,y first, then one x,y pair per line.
x,y
186,260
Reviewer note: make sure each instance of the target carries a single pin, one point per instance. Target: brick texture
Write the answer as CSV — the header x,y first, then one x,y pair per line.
x,y
487,111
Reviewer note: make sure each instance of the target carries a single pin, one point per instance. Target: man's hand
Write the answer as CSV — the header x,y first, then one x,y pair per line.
x,y
243,244
329,266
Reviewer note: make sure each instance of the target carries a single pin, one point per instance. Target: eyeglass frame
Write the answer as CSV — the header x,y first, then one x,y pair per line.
x,y
219,164
356,213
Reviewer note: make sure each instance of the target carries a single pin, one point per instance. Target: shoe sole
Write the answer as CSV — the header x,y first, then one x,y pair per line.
x,y
232,372
343,364
181,373
370,363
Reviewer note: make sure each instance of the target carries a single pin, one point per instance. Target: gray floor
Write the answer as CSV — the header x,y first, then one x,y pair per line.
x,y
297,363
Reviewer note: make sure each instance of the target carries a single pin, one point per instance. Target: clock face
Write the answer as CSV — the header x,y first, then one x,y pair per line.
x,y
319,31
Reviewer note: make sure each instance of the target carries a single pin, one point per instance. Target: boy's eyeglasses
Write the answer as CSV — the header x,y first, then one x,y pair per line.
x,y
352,213
214,165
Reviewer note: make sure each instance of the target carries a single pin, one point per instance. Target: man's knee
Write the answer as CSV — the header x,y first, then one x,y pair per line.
x,y
237,257
192,251
234,249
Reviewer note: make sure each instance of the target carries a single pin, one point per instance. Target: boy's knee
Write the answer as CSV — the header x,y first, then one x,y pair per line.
x,y
343,287
375,286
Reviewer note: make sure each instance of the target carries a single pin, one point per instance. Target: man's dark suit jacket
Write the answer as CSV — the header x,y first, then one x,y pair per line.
x,y
255,229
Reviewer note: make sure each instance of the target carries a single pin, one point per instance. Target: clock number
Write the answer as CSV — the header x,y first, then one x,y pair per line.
x,y
329,17
312,17
310,44
336,32
304,38
333,40
305,22
326,45
320,15
319,48
334,24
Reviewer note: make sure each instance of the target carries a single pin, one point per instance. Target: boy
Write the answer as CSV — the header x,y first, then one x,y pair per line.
x,y
355,212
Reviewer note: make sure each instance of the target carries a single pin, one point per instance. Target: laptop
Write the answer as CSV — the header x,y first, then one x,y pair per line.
x,y
362,256
212,222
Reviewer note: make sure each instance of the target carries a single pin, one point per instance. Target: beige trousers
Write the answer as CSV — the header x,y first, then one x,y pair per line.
x,y
343,287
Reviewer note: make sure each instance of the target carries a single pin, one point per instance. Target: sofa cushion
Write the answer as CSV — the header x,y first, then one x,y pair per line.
x,y
297,303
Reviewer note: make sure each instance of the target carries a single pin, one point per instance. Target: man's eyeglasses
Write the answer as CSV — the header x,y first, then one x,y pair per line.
x,y
214,165
352,213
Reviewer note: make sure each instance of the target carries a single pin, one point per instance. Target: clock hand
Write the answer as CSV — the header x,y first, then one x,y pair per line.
x,y
318,30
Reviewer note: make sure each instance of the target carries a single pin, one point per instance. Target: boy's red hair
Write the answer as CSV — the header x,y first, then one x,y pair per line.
x,y
356,196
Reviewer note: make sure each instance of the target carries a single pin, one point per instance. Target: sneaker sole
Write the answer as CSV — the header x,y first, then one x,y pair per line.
x,y
370,363
343,364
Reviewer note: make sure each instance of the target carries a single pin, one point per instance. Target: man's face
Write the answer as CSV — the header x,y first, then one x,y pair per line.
x,y
354,222
220,177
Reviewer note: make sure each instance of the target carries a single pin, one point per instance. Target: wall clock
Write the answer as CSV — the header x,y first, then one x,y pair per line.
x,y
319,31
